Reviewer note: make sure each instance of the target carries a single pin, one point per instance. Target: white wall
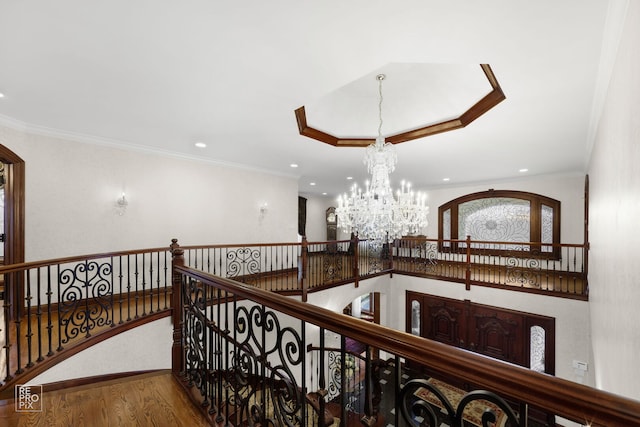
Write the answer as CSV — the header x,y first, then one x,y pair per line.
x,y
71,189
614,279
146,347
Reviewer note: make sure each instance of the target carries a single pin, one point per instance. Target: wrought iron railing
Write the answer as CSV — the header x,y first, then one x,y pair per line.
x,y
52,307
299,268
253,357
551,269
291,268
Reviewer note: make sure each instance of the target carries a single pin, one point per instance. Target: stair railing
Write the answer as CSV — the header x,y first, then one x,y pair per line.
x,y
242,352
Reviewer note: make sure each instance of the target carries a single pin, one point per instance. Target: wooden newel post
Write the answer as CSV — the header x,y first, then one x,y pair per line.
x,y
355,242
467,279
302,268
177,259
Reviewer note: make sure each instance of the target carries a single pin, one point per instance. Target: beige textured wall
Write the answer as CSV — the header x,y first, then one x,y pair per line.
x,y
71,189
614,226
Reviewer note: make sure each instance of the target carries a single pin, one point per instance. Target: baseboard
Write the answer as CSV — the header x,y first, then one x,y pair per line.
x,y
91,381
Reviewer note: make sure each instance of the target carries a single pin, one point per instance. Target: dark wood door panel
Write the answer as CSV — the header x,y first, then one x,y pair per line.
x,y
493,331
498,338
444,321
498,333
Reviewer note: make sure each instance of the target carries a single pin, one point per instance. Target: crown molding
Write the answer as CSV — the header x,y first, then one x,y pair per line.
x,y
126,146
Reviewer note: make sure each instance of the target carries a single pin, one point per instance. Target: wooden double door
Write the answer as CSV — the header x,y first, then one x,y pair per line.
x,y
525,339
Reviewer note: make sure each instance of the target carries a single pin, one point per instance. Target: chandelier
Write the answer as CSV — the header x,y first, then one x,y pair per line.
x,y
375,213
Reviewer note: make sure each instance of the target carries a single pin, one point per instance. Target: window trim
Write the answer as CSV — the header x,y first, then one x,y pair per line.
x,y
536,201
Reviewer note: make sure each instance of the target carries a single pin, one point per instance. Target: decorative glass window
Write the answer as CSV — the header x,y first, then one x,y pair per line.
x,y
446,227
494,219
365,304
537,349
546,227
415,318
502,220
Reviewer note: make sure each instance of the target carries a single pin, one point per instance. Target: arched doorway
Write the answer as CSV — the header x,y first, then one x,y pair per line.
x,y
365,307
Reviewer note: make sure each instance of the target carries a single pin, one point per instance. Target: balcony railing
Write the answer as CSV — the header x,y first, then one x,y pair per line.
x,y
252,357
299,268
551,269
291,268
54,308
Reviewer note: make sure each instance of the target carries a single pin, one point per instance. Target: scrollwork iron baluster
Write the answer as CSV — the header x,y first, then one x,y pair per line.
x,y
414,407
86,298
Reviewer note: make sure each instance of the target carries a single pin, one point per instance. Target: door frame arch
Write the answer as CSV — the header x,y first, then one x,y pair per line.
x,y
14,206
14,219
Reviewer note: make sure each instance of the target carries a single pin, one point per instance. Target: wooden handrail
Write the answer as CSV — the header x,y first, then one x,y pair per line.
x,y
492,242
5,269
565,398
16,304
250,245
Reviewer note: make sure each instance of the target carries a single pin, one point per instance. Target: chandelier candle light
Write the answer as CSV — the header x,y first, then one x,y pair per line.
x,y
375,214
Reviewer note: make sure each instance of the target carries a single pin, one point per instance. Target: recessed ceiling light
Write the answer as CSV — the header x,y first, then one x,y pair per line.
x,y
201,145
312,183
524,170
349,177
294,165
1,95
324,194
446,179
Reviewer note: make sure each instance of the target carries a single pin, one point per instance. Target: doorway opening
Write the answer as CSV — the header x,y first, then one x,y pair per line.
x,y
12,234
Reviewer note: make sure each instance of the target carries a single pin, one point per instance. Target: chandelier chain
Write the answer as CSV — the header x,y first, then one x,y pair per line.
x,y
380,78
375,214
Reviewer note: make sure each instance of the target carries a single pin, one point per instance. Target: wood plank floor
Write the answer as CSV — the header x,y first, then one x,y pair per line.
x,y
152,399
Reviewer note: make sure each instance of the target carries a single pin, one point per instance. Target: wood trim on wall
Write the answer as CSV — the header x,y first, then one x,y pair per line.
x,y
14,213
535,202
14,205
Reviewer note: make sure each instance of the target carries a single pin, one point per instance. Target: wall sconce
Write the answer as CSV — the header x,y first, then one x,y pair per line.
x,y
263,209
121,204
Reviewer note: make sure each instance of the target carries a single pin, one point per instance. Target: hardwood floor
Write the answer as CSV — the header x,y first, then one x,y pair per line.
x,y
152,399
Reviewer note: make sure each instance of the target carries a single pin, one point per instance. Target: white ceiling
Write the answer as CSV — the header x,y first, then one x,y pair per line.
x,y
162,75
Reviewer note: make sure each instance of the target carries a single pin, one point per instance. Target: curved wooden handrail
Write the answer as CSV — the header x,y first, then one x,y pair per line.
x,y
250,245
565,398
491,242
5,269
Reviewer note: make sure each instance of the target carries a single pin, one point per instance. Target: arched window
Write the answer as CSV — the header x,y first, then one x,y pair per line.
x,y
513,218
